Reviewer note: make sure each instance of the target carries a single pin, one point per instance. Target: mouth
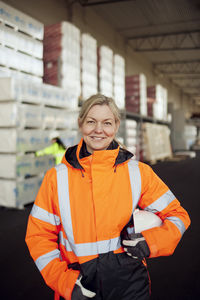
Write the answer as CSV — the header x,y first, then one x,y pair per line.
x,y
97,138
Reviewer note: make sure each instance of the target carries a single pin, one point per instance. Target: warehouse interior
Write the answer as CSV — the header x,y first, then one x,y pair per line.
x,y
143,53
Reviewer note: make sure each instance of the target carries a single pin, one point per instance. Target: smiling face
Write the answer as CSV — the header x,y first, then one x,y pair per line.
x,y
99,128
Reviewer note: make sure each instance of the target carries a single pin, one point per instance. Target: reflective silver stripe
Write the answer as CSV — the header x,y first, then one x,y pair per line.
x,y
44,215
64,242
178,222
135,180
64,203
43,260
85,249
103,247
161,203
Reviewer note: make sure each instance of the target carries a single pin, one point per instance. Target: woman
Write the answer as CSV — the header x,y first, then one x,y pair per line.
x,y
83,207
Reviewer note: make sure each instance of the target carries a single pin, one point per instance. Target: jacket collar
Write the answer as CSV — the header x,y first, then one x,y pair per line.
x,y
76,155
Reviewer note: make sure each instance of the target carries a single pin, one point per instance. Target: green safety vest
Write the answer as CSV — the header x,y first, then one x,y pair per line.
x,y
55,149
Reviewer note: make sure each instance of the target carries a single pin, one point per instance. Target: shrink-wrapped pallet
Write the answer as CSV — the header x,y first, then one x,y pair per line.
x,y
89,82
159,93
21,46
17,193
48,117
14,114
35,92
119,81
20,61
22,140
15,166
105,70
157,142
131,128
136,97
62,56
67,120
19,41
21,21
54,118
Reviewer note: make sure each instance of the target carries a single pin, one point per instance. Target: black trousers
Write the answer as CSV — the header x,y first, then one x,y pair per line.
x,y
115,277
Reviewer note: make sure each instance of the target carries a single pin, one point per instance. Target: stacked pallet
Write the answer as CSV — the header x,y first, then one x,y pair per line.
x,y
156,142
105,71
25,127
159,105
136,97
21,45
119,81
89,83
132,137
150,103
62,57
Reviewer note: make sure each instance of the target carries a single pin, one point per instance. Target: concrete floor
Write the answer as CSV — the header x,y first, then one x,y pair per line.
x,y
173,278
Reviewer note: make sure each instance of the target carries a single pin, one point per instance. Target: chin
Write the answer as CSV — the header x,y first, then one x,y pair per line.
x,y
96,148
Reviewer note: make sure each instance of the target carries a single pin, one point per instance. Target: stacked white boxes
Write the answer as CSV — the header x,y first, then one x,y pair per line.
x,y
159,93
165,105
25,126
62,57
132,137
105,70
156,140
136,94
6,72
89,80
119,81
21,46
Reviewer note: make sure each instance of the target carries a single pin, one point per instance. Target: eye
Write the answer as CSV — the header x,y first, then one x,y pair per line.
x,y
90,121
107,123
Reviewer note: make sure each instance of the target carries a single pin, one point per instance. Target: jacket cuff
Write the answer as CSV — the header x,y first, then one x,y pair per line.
x,y
151,245
70,284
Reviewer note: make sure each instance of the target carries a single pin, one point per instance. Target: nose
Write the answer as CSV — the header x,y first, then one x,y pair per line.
x,y
98,127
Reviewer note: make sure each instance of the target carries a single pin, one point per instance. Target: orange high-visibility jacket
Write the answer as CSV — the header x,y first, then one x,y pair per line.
x,y
83,205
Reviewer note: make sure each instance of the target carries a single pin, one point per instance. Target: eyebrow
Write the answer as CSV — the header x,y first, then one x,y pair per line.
x,y
103,120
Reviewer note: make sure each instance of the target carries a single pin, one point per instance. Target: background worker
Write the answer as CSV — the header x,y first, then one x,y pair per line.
x,y
57,148
77,233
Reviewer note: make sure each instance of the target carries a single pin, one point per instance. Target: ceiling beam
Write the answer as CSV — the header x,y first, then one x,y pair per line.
x,y
185,77
178,62
179,67
166,42
154,27
177,72
187,83
167,34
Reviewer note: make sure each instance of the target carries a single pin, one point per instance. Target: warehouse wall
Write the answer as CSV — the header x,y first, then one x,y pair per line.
x,y
53,11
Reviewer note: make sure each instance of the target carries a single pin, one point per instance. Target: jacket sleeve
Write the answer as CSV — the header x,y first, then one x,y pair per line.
x,y
157,198
46,151
42,239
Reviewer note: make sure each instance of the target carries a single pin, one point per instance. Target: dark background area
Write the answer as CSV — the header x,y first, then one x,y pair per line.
x,y
173,278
